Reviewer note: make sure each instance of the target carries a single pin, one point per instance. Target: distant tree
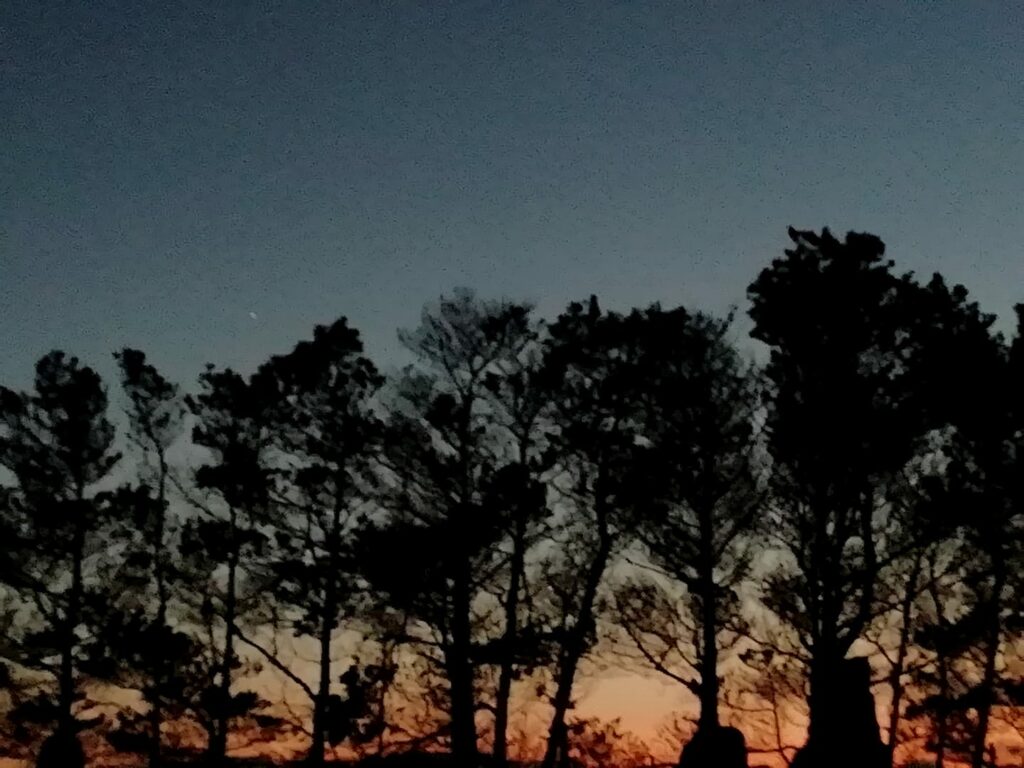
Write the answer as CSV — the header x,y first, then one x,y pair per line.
x,y
766,699
379,680
899,593
223,547
699,481
518,493
433,557
56,443
591,372
325,434
946,633
989,496
595,743
981,496
138,636
160,661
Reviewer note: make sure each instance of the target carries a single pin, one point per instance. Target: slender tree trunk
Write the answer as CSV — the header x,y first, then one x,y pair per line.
x,y
323,694
66,698
508,643
896,676
942,719
777,723
942,670
460,673
708,720
219,744
155,718
820,681
458,659
162,675
387,659
940,742
575,646
980,735
328,619
988,684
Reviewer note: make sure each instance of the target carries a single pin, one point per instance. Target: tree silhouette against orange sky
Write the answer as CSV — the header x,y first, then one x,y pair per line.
x,y
318,559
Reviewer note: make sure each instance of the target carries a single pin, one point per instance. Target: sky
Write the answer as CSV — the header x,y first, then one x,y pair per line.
x,y
169,170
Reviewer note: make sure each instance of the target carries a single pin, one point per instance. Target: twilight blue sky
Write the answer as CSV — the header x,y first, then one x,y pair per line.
x,y
166,168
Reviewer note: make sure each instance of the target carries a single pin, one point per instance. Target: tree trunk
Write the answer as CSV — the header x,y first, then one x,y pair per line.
x,y
462,697
575,645
387,659
821,679
323,694
508,644
163,674
942,669
988,683
66,700
708,720
218,747
328,619
941,718
460,674
828,709
822,683
940,742
826,705
155,718
896,676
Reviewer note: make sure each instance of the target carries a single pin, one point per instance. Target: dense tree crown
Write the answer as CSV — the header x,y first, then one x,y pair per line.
x,y
349,563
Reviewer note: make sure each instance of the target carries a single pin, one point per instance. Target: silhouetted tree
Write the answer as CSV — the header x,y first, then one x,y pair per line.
x,y
57,444
591,371
223,546
518,493
160,661
325,434
441,457
864,367
946,633
987,476
767,697
480,516
595,743
840,425
698,480
981,494
141,640
963,508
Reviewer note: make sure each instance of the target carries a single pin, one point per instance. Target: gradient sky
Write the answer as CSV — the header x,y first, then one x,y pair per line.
x,y
166,168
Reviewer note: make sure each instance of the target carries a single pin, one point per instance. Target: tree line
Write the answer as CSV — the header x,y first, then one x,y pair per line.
x,y
416,555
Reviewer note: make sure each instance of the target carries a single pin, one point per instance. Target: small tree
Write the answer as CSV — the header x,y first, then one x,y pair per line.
x,y
434,557
325,435
224,546
56,442
699,482
149,652
591,374
518,494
